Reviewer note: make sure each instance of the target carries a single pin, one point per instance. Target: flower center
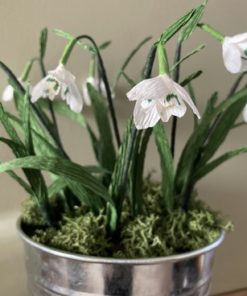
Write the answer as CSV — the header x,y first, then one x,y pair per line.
x,y
147,103
170,97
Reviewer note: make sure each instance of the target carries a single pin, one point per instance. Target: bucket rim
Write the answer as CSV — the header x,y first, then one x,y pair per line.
x,y
108,260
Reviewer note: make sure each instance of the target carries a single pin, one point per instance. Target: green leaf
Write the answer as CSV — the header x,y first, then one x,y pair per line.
x,y
191,78
56,187
61,167
43,43
137,169
26,124
166,163
192,149
220,130
129,58
131,82
192,24
175,27
193,97
86,197
119,180
206,169
196,50
8,126
62,109
106,150
104,45
21,182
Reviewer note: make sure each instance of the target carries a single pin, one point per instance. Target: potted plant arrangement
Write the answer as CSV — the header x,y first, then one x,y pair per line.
x,y
106,229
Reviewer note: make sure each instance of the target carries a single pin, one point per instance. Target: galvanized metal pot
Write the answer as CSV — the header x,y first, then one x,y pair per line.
x,y
53,272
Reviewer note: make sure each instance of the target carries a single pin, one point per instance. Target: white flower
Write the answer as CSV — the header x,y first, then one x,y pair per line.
x,y
58,81
235,53
100,86
159,98
8,92
245,113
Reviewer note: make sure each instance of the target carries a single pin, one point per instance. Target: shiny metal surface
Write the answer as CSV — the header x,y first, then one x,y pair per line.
x,y
52,272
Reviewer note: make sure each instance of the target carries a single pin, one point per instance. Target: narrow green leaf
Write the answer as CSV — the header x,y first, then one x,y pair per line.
x,y
104,45
8,126
119,180
21,182
192,148
129,58
26,124
86,197
56,187
175,27
106,150
204,170
196,50
43,43
221,128
130,81
191,78
166,163
193,97
137,169
192,24
61,167
62,109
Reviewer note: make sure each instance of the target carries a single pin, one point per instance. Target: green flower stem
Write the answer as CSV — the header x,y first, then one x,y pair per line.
x,y
162,59
176,76
211,31
64,60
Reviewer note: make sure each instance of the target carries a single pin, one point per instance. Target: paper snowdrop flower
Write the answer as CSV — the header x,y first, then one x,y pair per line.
x,y
245,113
59,81
159,98
235,53
100,86
8,92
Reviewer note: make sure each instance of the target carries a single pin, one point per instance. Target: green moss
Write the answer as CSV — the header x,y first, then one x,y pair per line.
x,y
151,234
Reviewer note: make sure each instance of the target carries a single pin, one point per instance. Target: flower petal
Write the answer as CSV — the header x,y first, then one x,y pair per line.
x,y
231,56
48,87
70,93
183,95
153,88
174,106
62,75
239,38
245,113
145,114
8,94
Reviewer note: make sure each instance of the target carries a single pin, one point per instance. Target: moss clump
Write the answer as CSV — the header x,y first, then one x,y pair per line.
x,y
151,234
84,235
31,213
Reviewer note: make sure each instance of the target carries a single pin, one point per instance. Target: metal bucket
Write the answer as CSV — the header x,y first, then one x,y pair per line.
x,y
53,272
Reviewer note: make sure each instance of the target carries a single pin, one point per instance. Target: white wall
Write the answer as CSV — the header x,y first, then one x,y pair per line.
x,y
126,23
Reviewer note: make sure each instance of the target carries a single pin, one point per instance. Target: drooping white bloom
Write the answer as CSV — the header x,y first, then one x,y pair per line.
x,y
235,53
99,85
159,98
8,92
245,113
59,81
